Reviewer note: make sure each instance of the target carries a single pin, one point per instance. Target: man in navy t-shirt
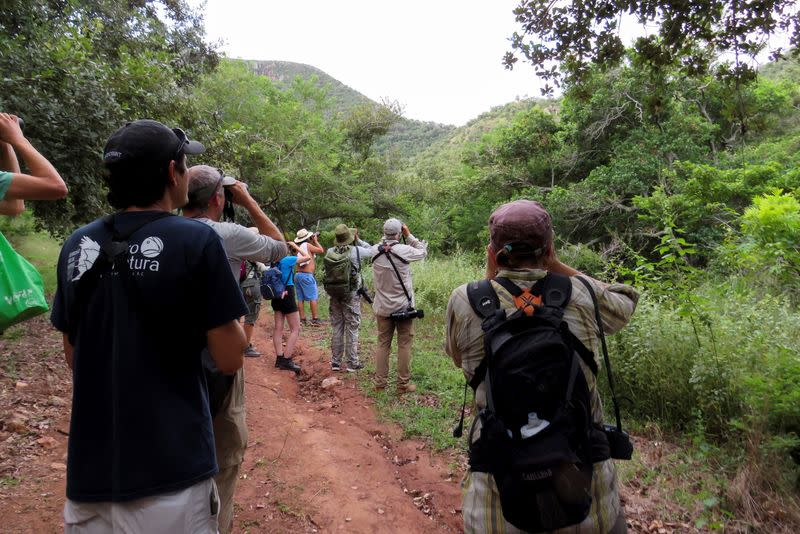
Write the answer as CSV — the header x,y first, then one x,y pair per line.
x,y
140,294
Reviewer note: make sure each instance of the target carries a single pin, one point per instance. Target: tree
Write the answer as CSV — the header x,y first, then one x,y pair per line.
x,y
575,34
302,164
76,70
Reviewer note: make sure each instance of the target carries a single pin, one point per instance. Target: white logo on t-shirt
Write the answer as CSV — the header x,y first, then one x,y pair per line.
x,y
82,259
152,247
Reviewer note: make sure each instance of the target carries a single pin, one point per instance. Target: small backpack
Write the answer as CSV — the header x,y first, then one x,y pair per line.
x,y
340,278
272,283
537,437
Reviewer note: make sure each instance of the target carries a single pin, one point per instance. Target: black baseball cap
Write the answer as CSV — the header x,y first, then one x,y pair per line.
x,y
146,140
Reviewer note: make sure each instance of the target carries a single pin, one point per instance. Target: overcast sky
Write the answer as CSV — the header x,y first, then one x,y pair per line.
x,y
441,59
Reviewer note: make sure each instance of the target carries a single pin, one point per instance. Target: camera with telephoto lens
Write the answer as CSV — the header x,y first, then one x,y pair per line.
x,y
364,294
408,313
619,442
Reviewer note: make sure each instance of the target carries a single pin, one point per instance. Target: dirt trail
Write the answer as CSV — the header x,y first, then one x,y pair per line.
x,y
318,460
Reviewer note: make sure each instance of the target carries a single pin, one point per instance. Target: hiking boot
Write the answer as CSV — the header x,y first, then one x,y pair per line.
x,y
316,322
304,321
336,366
406,388
251,352
353,367
286,364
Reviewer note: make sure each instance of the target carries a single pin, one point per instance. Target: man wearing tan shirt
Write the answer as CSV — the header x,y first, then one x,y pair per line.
x,y
521,250
393,293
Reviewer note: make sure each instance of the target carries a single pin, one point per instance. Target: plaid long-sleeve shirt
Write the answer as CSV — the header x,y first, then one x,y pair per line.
x,y
464,343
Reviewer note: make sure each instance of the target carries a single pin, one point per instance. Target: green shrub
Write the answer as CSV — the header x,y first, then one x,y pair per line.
x,y
713,356
436,278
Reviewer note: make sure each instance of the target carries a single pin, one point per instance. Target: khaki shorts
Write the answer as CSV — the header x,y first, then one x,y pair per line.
x,y
188,511
251,291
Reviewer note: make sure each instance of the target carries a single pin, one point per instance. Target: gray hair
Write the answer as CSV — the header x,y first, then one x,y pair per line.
x,y
202,182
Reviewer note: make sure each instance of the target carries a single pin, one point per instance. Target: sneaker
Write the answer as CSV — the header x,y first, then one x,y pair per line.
x,y
286,364
353,367
336,366
316,322
251,352
304,321
406,388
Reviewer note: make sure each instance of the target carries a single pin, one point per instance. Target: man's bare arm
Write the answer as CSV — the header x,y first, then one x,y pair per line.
x,y
68,350
226,343
315,247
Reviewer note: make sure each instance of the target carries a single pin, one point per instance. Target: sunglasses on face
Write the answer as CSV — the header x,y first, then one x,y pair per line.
x,y
183,141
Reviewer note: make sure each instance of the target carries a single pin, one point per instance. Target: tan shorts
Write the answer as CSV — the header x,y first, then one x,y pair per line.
x,y
188,511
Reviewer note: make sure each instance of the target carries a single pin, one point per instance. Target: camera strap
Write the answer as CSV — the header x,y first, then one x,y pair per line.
x,y
389,254
600,330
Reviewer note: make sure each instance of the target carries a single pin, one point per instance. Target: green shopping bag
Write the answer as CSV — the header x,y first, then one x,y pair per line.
x,y
21,288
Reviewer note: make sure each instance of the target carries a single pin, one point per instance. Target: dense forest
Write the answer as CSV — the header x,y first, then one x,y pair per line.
x,y
685,184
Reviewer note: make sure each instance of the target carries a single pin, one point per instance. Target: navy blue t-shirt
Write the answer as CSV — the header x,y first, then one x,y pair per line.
x,y
140,423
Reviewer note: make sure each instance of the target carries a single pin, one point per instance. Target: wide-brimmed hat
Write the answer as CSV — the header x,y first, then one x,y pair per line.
x,y
302,235
344,235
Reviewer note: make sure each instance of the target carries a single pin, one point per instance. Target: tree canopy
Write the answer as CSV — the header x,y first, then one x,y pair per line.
x,y
76,70
562,39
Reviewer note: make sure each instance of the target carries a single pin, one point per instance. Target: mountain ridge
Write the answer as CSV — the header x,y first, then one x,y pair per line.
x,y
406,137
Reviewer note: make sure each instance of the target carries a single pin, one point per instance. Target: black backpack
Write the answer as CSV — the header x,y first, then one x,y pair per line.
x,y
537,438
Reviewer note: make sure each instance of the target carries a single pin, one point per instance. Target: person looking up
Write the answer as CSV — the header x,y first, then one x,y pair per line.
x,y
206,202
140,294
523,268
304,281
345,300
285,309
394,292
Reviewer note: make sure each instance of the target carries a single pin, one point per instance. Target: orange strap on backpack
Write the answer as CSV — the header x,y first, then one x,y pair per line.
x,y
527,302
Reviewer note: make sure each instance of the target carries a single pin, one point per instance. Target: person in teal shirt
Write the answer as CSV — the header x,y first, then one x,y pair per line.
x,y
43,182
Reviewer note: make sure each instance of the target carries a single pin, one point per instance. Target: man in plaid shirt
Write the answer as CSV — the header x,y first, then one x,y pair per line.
x,y
521,250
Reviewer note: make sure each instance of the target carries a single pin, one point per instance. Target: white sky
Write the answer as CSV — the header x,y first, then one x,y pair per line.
x,y
441,59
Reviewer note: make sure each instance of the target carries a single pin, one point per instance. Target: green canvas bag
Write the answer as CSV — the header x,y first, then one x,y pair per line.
x,y
21,288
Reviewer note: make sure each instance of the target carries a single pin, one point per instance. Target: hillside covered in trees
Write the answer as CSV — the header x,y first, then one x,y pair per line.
x,y
404,138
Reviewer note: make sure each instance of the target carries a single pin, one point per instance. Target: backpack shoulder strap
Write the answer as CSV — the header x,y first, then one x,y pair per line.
x,y
555,289
382,250
110,250
483,298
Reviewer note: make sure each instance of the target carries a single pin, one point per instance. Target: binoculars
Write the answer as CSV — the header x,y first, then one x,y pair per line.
x,y
408,313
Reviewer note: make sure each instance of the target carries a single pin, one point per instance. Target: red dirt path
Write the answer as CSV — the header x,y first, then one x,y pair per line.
x,y
318,460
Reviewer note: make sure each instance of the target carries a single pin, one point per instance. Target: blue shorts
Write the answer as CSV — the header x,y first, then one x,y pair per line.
x,y
306,286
